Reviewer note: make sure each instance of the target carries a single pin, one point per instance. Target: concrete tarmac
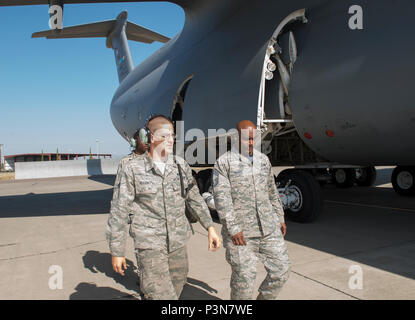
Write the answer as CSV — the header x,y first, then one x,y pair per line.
x,y
361,247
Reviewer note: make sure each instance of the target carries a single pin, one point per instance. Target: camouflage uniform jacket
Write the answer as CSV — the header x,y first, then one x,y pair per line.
x,y
246,197
154,205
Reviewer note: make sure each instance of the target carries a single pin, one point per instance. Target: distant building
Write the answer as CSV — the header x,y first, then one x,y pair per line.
x,y
26,157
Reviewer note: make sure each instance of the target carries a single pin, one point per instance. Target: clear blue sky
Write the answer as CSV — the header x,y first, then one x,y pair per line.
x,y
57,93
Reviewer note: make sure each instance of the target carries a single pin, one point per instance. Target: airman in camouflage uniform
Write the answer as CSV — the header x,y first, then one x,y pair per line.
x,y
153,202
252,215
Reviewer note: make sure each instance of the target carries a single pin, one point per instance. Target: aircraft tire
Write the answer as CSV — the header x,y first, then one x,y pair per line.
x,y
403,180
310,192
344,177
367,177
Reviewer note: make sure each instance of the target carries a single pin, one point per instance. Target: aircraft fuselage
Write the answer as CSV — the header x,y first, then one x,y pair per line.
x,y
351,90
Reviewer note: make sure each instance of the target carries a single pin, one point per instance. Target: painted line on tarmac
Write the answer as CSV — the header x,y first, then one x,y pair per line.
x,y
50,252
369,205
325,285
8,244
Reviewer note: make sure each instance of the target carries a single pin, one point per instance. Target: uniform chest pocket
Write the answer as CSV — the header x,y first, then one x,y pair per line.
x,y
144,183
145,188
177,184
240,174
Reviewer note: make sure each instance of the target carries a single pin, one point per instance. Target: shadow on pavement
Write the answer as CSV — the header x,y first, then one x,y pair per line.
x,y
197,290
108,179
98,262
56,204
90,291
369,225
59,204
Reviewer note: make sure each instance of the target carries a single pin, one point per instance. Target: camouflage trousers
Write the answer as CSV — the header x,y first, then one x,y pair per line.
x,y
272,251
162,274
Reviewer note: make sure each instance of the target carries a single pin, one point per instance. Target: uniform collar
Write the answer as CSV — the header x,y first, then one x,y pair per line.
x,y
135,155
256,157
149,164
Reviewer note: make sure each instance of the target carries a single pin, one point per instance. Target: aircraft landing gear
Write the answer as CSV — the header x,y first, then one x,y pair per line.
x,y
344,178
299,191
300,194
365,177
347,177
403,180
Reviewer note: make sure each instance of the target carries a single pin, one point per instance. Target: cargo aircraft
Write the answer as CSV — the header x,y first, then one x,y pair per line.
x,y
329,83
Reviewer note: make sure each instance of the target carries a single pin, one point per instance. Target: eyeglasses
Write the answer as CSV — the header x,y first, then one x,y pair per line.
x,y
165,137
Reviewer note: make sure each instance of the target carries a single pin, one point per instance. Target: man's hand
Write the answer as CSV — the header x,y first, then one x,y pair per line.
x,y
214,239
239,239
118,263
283,229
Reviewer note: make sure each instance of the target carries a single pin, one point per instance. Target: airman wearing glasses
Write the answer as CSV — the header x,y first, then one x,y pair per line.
x,y
149,192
